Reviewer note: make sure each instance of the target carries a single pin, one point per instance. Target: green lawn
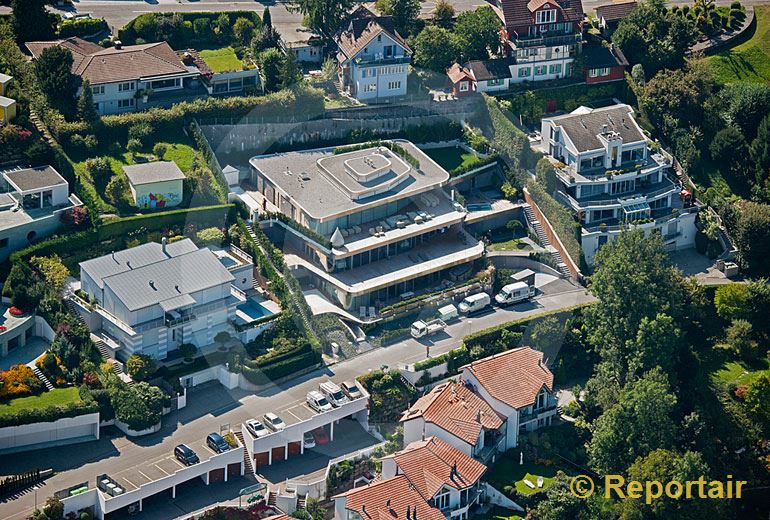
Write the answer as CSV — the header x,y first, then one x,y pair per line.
x,y
749,61
221,60
451,157
508,245
507,471
55,397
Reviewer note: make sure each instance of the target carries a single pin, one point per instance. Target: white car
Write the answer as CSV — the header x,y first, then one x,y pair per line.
x,y
256,428
317,401
75,16
273,422
351,390
308,441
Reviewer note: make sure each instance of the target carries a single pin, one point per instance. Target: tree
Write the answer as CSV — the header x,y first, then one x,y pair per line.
x,y
117,190
756,398
443,14
139,406
201,28
730,300
640,422
323,16
159,150
134,146
434,49
403,12
53,69
31,21
86,110
546,175
54,271
668,466
745,105
637,73
290,71
187,350
266,38
243,31
760,150
267,20
729,148
655,37
752,236
656,344
634,280
740,338
222,27
477,33
271,63
140,366
53,509
210,236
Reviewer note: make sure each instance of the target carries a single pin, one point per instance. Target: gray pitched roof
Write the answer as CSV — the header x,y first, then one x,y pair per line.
x,y
121,261
34,178
148,173
158,282
484,70
584,126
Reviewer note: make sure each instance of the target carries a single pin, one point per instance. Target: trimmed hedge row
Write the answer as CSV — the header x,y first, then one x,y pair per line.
x,y
275,371
82,27
151,27
49,414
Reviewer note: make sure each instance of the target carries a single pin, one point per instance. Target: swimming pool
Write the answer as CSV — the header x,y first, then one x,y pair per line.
x,y
251,310
481,206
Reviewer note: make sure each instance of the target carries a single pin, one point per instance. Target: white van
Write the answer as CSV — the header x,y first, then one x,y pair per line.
x,y
333,393
317,401
475,303
514,293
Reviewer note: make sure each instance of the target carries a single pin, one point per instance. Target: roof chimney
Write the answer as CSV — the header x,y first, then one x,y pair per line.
x,y
128,264
414,513
363,509
152,284
408,512
118,44
163,243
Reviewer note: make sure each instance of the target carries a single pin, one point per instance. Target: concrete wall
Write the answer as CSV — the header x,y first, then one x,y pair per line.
x,y
63,431
18,236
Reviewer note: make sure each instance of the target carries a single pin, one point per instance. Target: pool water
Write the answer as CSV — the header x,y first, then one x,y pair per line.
x,y
482,206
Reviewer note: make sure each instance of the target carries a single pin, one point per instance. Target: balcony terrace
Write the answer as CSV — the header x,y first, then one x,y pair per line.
x,y
652,164
650,192
521,42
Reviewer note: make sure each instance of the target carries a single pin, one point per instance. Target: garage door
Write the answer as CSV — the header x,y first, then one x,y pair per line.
x,y
262,458
234,469
278,454
294,448
216,475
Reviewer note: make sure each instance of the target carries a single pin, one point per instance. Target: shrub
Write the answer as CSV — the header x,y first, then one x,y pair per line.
x,y
210,236
19,381
159,150
140,367
139,406
188,350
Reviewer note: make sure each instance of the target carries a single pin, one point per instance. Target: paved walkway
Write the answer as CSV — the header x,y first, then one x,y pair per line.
x,y
721,39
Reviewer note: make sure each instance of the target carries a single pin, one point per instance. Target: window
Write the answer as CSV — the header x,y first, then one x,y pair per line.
x,y
98,89
541,70
525,72
463,86
555,68
370,88
389,51
495,82
545,16
394,85
442,500
125,103
47,198
604,71
128,86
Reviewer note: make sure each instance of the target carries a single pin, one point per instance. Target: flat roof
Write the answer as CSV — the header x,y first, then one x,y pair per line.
x,y
148,173
6,101
30,179
325,185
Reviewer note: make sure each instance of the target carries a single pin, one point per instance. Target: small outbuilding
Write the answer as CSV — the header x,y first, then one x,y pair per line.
x,y
155,185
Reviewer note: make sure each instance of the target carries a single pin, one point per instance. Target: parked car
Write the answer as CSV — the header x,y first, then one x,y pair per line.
x,y
273,422
320,436
448,312
333,393
317,401
256,428
351,390
217,443
475,303
514,293
308,441
76,16
427,328
186,455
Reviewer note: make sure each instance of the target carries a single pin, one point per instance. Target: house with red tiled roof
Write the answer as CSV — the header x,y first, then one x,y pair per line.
x,y
373,58
457,416
123,78
518,386
445,477
391,499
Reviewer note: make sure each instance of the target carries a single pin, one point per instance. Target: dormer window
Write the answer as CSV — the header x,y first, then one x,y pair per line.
x,y
545,16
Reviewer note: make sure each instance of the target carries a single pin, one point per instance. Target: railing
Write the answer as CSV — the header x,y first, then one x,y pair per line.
x,y
178,321
565,39
241,253
372,59
657,220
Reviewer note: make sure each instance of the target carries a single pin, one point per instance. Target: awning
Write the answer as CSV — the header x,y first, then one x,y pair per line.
x,y
177,302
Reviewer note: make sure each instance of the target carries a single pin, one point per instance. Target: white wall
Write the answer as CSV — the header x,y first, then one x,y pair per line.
x,y
63,431
511,414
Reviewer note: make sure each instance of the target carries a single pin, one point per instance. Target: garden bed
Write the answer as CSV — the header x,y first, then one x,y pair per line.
x,y
55,397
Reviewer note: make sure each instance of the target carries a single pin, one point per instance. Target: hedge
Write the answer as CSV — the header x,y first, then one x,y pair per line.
x,y
82,27
273,372
50,414
223,188
154,27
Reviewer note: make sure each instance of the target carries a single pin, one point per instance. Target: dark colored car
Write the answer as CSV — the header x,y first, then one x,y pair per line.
x,y
185,455
217,443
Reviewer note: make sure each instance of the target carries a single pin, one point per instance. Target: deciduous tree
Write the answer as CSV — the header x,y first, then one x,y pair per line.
x,y
434,49
477,33
53,69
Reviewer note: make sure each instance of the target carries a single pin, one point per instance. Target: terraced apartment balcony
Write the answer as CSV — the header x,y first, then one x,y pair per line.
x,y
521,42
629,169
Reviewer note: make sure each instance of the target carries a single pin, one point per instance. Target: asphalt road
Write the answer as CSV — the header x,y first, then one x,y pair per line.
x,y
119,12
212,405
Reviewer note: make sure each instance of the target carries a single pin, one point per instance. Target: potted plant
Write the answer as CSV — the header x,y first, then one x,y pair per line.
x,y
603,227
188,351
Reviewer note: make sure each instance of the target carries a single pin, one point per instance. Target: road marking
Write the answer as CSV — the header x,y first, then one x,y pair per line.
x,y
162,470
143,474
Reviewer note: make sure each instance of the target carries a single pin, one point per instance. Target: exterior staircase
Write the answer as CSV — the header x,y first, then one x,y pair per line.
x,y
272,498
73,307
41,376
248,465
537,227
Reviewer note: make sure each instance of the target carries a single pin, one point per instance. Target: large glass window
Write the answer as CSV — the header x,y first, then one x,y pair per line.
x,y
546,16
48,198
31,201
